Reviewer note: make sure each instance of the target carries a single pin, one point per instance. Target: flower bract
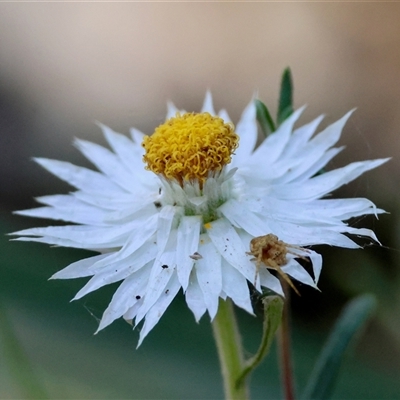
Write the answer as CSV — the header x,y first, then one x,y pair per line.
x,y
178,210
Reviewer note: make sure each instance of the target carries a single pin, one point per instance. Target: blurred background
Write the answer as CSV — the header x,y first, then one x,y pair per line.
x,y
64,66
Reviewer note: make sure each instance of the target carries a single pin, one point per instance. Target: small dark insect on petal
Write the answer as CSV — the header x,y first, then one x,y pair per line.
x,y
196,256
138,297
167,291
157,204
164,266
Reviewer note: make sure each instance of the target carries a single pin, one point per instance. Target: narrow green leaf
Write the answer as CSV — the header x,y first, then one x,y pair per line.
x,y
285,106
326,369
273,307
264,118
18,363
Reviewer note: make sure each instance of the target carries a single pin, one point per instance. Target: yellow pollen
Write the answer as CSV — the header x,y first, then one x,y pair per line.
x,y
188,147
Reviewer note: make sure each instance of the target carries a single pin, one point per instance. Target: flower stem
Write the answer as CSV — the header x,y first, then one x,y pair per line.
x,y
230,352
284,347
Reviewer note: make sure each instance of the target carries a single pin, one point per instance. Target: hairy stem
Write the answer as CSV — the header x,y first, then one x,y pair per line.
x,y
230,352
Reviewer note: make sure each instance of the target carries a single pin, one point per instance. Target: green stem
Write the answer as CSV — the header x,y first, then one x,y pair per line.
x,y
228,342
273,306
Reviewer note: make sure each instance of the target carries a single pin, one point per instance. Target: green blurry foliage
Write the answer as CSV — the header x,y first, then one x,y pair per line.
x,y
178,360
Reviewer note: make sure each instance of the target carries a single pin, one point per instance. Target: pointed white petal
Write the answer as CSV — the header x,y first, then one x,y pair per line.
x,y
235,286
79,268
316,260
158,309
209,276
208,104
117,271
195,298
81,178
272,147
132,311
163,268
137,137
240,216
310,166
296,271
129,293
143,236
230,246
270,281
247,130
325,183
165,218
224,115
331,134
188,242
106,162
301,136
171,110
93,235
129,153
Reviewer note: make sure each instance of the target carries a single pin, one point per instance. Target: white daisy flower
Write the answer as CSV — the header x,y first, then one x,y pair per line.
x,y
186,216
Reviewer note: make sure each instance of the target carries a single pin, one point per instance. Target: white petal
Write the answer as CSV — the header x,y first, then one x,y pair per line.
x,y
247,130
310,166
235,286
164,227
301,136
343,209
76,214
106,162
331,134
129,293
272,147
79,268
295,270
325,183
188,242
316,261
112,202
310,235
171,110
163,268
240,216
129,153
156,312
137,239
209,276
92,236
81,178
224,115
132,311
195,298
270,281
137,137
362,232
117,271
230,246
208,104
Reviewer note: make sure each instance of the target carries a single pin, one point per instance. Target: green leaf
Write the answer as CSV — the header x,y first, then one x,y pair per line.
x,y
264,118
273,307
18,363
349,323
285,106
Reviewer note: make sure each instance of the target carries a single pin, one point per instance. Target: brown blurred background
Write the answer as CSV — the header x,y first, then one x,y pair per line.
x,y
64,66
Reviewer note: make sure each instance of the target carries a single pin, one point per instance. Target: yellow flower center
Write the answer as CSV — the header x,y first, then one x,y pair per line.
x,y
188,147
